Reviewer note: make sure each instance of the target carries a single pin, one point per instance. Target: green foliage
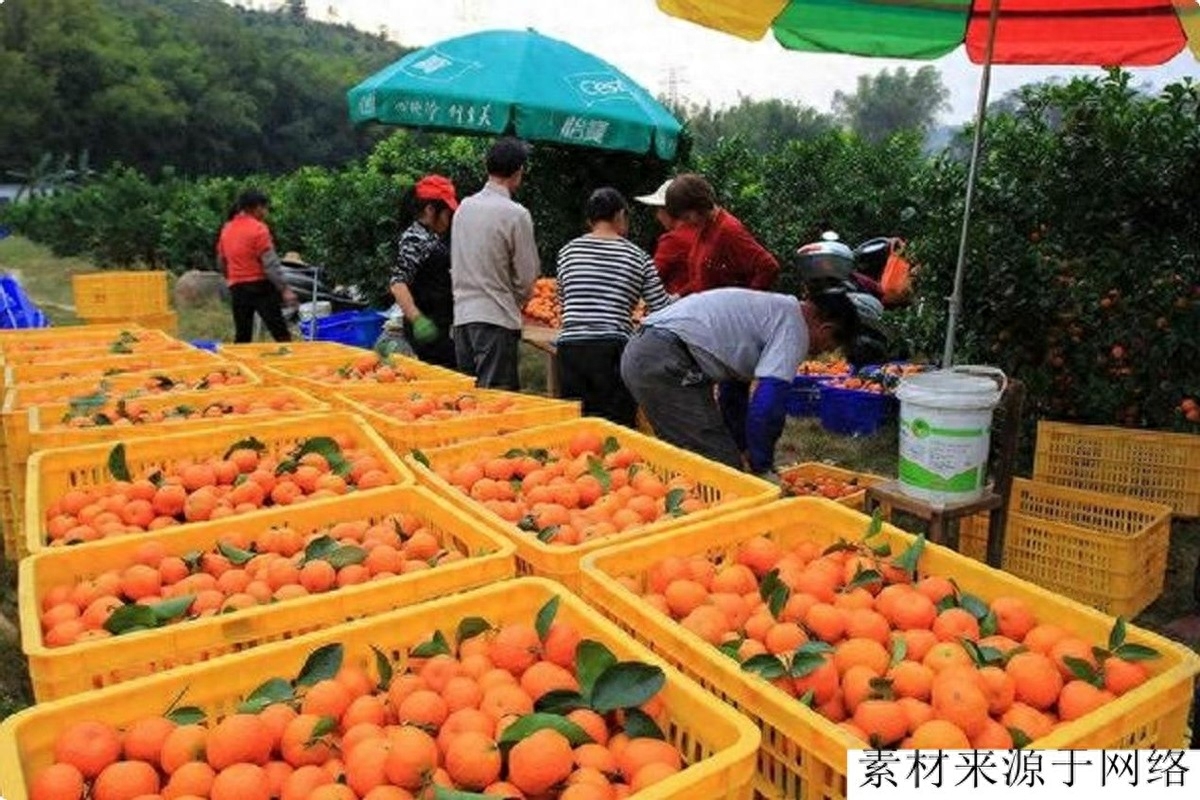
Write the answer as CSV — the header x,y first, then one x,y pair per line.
x,y
198,84
891,102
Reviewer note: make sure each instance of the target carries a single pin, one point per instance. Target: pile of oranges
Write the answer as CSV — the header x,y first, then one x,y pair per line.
x,y
544,307
1190,409
131,412
369,368
895,660
248,478
795,483
458,718
829,368
431,408
863,383
591,488
157,383
281,564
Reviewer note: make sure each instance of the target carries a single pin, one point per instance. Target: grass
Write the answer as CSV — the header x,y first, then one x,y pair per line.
x,y
47,280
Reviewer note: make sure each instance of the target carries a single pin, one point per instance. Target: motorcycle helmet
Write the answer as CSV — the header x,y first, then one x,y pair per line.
x,y
825,261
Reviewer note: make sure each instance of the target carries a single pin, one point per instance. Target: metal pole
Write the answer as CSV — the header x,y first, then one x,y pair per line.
x,y
985,82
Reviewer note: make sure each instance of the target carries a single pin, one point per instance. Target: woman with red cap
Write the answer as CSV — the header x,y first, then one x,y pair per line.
x,y
420,283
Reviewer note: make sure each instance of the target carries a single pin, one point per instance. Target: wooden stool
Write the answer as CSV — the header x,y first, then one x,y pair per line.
x,y
942,519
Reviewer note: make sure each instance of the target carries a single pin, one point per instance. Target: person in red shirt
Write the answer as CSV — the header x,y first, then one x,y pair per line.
x,y
246,257
673,246
723,252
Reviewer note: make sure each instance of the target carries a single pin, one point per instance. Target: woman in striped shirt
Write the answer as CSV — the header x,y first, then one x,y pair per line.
x,y
601,278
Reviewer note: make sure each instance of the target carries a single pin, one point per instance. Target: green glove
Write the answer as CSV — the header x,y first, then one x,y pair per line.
x,y
424,329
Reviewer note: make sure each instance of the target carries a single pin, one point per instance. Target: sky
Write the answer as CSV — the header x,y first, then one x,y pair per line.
x,y
709,66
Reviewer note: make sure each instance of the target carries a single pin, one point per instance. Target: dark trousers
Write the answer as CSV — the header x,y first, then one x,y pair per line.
x,y
676,396
590,371
490,353
262,298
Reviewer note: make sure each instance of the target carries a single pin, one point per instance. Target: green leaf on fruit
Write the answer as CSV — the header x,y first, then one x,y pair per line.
x,y
778,600
421,459
471,627
809,698
236,555
611,445
899,649
881,689
765,666
383,665
516,452
1116,637
911,557
674,502
436,646
1083,670
989,625
596,470
320,548
864,578
276,690
1020,738
546,535
532,723
168,610
640,725
245,444
732,648
805,663
626,684
346,555
592,659
974,606
186,715
130,618
442,793
560,701
875,527
323,664
1136,652
545,617
840,546
946,603
322,728
118,467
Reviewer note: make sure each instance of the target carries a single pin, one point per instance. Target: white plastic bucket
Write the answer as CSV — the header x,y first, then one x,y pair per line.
x,y
945,432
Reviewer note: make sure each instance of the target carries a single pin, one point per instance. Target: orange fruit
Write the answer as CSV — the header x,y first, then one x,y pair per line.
x,y
651,774
540,761
1036,678
861,652
592,723
193,778
366,764
423,707
327,698
241,782
911,679
643,751
183,745
544,677
999,688
1121,676
57,782
882,721
1028,720
125,780
473,761
88,746
961,702
515,647
994,736
300,746
144,739
938,734
954,624
413,757
1080,697
239,739
1041,638
1014,619
561,642
1073,648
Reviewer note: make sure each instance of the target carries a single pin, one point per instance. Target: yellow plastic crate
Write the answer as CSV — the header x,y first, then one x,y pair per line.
x,y
92,367
47,430
718,744
809,470
166,321
137,341
127,293
803,755
295,372
23,339
62,671
52,473
1155,466
1102,550
7,524
527,412
272,352
730,489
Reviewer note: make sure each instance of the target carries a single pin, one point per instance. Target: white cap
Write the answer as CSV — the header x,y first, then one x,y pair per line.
x,y
659,198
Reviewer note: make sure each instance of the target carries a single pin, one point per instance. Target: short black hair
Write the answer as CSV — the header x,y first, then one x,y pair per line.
x,y
603,205
835,307
690,192
506,156
252,198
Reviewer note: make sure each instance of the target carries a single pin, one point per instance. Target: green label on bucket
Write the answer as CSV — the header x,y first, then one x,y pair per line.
x,y
915,475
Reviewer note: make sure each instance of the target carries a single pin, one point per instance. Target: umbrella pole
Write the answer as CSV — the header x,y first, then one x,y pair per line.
x,y
985,82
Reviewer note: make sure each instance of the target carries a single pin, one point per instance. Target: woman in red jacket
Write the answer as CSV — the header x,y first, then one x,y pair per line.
x,y
723,253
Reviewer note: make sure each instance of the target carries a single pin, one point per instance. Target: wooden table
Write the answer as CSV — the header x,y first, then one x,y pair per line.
x,y
890,496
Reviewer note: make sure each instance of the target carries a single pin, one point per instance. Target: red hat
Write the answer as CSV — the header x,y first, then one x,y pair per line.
x,y
435,187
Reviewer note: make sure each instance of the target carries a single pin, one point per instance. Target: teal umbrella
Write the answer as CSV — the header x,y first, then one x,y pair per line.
x,y
518,82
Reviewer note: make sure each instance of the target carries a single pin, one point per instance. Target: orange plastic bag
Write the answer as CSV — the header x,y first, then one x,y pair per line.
x,y
896,281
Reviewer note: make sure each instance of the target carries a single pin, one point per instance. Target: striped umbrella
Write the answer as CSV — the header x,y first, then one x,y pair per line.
x,y
1077,32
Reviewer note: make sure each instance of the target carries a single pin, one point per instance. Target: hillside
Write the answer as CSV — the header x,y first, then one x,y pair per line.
x,y
198,85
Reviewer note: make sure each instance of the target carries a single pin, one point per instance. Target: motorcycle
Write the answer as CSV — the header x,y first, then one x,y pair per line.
x,y
305,281
830,264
